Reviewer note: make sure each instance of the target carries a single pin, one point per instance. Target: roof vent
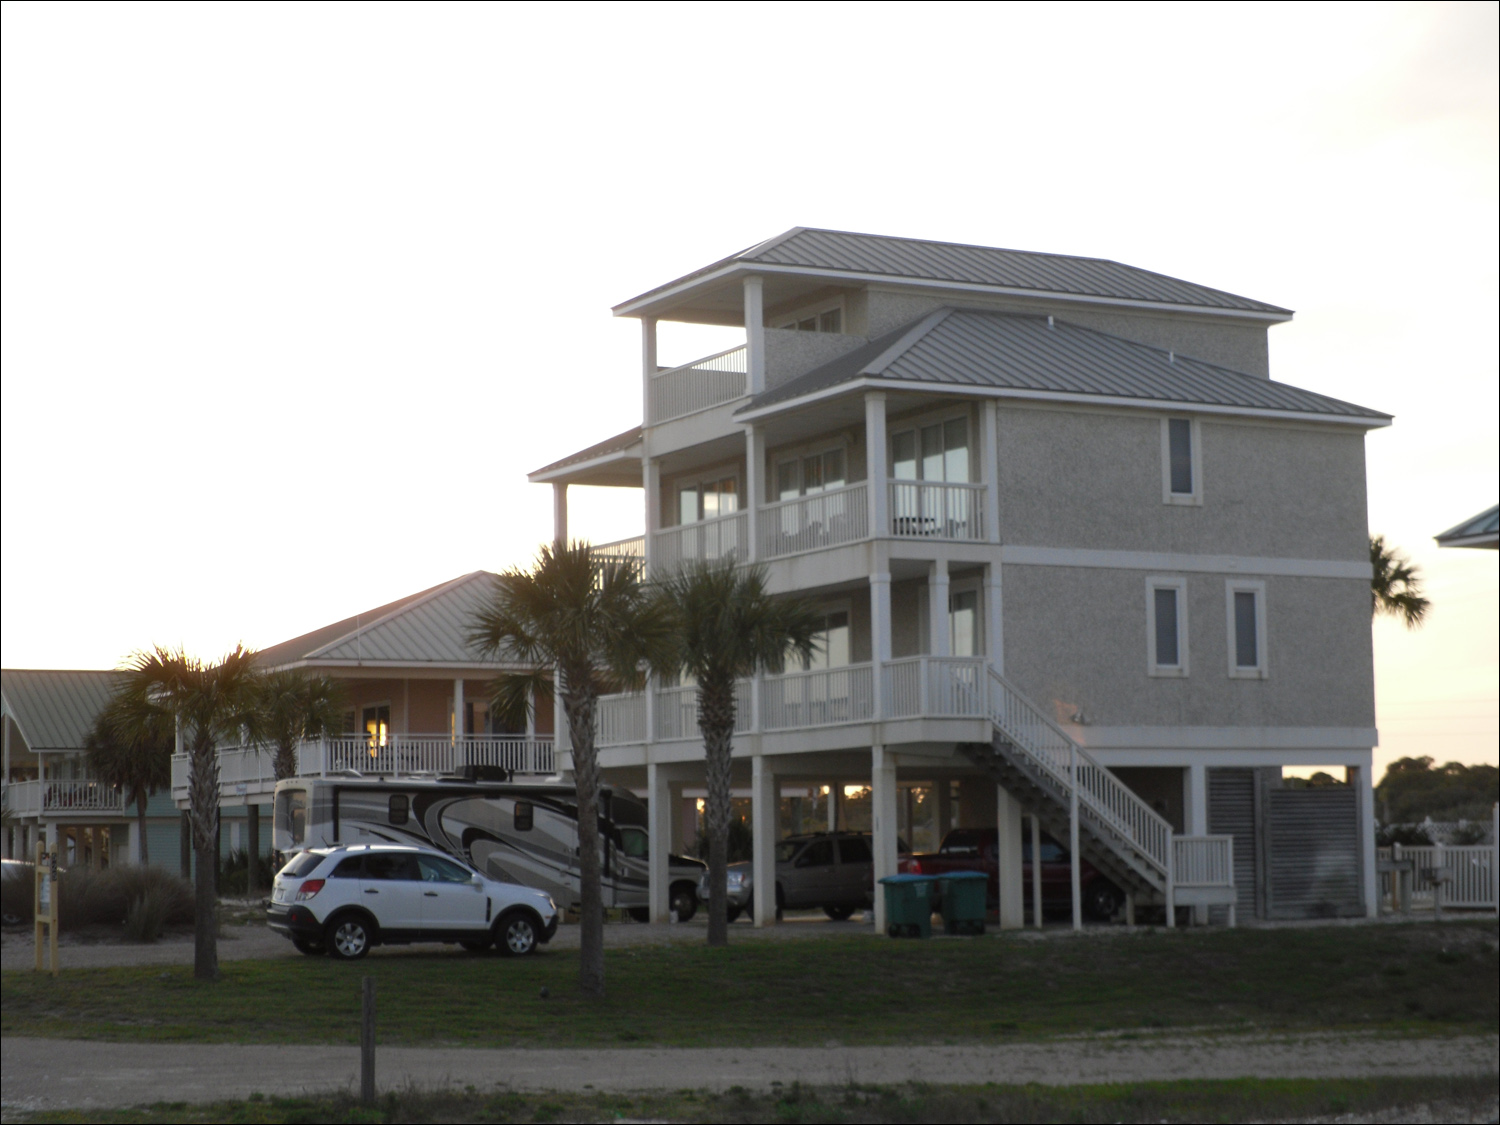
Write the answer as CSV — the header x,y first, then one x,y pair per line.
x,y
1049,322
1171,357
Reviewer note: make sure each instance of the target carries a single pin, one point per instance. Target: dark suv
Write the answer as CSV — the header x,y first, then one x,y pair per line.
x,y
831,870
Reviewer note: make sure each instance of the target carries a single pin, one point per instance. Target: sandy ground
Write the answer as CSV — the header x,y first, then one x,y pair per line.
x,y
50,1073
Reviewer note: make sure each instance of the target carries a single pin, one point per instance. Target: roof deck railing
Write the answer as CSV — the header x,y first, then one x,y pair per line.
x,y
700,385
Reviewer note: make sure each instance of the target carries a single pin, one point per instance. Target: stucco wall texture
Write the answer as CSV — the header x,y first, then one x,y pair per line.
x,y
1075,638
1093,480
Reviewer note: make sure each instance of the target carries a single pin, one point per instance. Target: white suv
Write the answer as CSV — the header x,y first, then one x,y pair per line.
x,y
343,900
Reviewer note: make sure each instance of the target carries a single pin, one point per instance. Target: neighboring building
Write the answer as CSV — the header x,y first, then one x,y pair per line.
x,y
1050,506
1482,531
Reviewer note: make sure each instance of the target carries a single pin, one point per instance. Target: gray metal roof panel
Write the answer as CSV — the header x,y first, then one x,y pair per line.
x,y
1485,525
431,629
989,266
616,444
54,708
1023,353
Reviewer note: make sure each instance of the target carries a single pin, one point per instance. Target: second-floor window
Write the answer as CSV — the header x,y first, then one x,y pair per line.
x,y
1245,613
939,452
708,499
831,645
1166,627
802,476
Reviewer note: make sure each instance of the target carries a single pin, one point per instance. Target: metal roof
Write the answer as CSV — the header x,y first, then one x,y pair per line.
x,y
988,267
1036,356
428,628
617,444
54,708
1482,530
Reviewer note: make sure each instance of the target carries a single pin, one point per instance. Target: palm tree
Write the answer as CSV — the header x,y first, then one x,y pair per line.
x,y
209,704
726,627
290,706
585,616
1395,584
135,760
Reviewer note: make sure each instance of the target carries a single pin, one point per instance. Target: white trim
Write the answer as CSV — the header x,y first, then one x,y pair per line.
x,y
874,383
1194,497
1226,738
548,476
1200,564
1262,668
630,307
1154,667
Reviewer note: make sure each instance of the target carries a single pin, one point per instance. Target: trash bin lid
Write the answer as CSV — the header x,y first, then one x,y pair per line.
x,y
957,875
909,878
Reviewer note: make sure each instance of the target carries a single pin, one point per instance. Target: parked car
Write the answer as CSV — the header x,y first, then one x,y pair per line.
x,y
834,871
973,849
344,900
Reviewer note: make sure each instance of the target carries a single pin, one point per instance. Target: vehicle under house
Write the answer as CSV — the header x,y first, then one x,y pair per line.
x,y
1085,568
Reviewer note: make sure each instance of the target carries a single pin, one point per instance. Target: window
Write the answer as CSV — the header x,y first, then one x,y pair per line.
x,y
826,320
1181,464
939,452
635,843
1166,627
963,622
1245,620
351,868
435,869
377,723
831,643
707,500
855,849
399,809
819,853
523,817
396,866
803,476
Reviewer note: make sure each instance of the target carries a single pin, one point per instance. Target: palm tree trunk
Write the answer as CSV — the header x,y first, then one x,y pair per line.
x,y
286,760
203,791
141,797
716,725
580,713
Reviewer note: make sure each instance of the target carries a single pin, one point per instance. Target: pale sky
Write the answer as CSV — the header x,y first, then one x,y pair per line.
x,y
295,295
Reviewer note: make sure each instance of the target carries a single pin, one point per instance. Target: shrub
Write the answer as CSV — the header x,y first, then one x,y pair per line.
x,y
16,890
234,875
1407,835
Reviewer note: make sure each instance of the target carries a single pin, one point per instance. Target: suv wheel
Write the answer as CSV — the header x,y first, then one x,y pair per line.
x,y
516,934
684,901
839,913
1101,900
349,937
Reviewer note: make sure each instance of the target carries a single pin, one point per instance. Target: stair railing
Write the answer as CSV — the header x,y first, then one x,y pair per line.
x,y
1046,744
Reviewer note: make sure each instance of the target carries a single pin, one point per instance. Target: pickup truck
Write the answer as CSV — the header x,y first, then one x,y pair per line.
x,y
973,849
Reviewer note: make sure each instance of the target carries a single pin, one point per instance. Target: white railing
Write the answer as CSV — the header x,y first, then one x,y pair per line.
x,y
824,519
34,798
1460,876
936,510
937,686
426,754
677,712
1101,792
1203,861
620,720
633,548
821,698
703,541
696,386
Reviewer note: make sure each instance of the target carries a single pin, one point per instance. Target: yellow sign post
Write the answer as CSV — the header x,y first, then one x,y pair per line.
x,y
45,907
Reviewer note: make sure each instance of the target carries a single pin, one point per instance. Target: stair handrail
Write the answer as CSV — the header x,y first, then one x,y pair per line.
x,y
1044,741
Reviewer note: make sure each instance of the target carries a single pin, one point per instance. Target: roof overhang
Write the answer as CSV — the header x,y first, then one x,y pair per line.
x,y
619,468
874,383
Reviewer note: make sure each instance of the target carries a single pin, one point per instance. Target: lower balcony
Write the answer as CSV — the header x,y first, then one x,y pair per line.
x,y
54,797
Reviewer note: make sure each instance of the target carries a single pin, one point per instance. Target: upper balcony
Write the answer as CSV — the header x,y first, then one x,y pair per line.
x,y
62,798
701,385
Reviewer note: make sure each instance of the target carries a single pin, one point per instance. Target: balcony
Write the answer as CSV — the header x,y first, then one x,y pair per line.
x,y
940,687
51,797
700,385
936,510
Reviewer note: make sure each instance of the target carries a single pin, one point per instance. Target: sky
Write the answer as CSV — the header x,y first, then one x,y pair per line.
x,y
295,295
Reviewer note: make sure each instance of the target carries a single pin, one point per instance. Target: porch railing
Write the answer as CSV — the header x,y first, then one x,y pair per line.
x,y
818,698
52,795
704,541
936,686
1203,861
621,719
936,510
632,548
704,383
824,519
677,711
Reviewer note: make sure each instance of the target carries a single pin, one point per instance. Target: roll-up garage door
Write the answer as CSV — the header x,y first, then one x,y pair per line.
x,y
1312,853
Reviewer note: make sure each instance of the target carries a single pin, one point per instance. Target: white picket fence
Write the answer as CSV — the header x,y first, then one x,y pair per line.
x,y
1462,877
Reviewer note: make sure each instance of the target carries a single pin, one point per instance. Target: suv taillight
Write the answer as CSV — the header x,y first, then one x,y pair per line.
x,y
309,888
910,867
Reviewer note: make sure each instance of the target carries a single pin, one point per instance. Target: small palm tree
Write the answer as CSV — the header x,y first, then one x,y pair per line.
x,y
290,706
725,627
208,704
585,616
135,760
1395,584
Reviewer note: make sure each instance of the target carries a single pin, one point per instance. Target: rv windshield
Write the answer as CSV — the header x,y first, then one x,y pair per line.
x,y
289,826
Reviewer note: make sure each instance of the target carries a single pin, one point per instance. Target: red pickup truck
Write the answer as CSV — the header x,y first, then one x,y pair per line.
x,y
973,849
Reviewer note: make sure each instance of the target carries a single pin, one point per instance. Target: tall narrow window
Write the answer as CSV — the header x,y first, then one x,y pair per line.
x,y
1181,461
963,622
1166,627
1245,617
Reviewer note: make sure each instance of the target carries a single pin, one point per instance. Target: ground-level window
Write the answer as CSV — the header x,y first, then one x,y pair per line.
x,y
1166,627
1245,618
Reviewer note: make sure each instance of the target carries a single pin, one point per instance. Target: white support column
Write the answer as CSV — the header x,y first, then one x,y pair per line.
x,y
880,636
560,514
561,742
1197,819
530,717
51,837
1009,861
133,842
651,486
877,483
1036,872
458,713
1360,778
764,820
755,464
648,366
659,841
883,820
755,334
938,618
989,429
994,617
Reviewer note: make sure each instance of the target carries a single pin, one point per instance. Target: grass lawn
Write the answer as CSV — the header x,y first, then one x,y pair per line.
x,y
852,990
1239,1100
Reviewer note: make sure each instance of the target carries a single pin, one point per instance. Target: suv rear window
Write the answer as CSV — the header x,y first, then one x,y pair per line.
x,y
302,865
855,849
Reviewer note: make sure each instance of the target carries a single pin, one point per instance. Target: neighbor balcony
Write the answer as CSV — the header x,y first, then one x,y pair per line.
x,y
57,797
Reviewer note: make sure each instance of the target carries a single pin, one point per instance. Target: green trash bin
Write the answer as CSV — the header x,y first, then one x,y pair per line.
x,y
964,901
908,905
